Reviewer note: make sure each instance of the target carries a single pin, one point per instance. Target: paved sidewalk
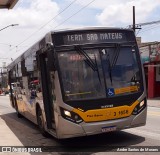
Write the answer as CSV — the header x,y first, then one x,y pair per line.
x,y
7,138
154,102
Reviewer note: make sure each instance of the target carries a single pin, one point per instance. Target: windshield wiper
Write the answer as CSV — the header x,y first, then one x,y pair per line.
x,y
88,60
112,63
109,67
116,55
97,69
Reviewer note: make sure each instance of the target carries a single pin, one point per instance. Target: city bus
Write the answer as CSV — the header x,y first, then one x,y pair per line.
x,y
80,82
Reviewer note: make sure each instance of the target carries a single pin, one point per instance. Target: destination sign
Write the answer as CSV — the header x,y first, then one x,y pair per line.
x,y
93,37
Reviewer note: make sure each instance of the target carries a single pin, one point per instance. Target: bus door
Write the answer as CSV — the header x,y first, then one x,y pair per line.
x,y
47,89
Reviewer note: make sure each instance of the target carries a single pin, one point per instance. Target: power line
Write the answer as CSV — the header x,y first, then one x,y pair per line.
x,y
149,28
10,45
137,32
43,26
67,18
5,44
4,58
47,23
148,23
74,14
146,29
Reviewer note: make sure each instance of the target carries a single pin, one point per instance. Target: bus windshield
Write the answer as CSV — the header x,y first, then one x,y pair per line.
x,y
99,72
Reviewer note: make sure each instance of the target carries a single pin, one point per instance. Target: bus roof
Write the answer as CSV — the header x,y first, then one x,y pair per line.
x,y
89,29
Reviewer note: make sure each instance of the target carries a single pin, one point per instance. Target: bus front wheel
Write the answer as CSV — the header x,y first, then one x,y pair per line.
x,y
40,122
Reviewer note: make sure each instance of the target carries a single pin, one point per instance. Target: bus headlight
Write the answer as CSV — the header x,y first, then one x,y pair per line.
x,y
139,107
67,113
141,103
71,116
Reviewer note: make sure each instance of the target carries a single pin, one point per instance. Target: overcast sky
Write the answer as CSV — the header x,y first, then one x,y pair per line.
x,y
37,17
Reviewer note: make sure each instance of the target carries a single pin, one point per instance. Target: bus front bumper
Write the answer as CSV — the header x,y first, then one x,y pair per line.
x,y
67,129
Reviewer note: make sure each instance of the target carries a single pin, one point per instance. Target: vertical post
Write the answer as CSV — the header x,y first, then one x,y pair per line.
x,y
134,28
151,81
1,79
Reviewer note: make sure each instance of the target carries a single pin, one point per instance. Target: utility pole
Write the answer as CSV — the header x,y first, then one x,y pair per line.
x,y
134,25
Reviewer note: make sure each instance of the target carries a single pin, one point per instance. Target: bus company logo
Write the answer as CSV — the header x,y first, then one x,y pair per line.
x,y
95,115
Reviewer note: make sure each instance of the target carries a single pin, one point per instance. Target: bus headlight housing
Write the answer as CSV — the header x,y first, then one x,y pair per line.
x,y
139,107
71,116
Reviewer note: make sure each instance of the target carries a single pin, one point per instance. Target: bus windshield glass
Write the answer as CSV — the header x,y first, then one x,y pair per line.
x,y
121,70
99,72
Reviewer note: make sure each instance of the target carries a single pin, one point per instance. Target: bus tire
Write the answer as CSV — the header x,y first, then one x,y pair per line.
x,y
40,122
17,111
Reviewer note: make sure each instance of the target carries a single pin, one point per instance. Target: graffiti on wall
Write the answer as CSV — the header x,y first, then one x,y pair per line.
x,y
155,52
144,51
150,53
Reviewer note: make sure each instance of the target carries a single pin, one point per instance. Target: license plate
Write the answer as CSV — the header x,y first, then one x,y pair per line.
x,y
109,129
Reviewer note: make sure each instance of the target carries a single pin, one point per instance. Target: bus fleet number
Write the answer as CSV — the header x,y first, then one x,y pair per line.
x,y
121,113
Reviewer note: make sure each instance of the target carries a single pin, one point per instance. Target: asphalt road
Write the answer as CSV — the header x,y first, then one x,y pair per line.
x,y
27,134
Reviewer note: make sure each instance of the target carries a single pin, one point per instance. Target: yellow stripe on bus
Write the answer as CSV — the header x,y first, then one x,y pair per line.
x,y
125,89
107,113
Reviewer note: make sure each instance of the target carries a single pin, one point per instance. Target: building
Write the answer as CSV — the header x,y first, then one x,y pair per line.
x,y
150,54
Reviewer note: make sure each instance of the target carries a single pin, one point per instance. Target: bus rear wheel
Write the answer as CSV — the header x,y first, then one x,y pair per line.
x,y
17,111
40,122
